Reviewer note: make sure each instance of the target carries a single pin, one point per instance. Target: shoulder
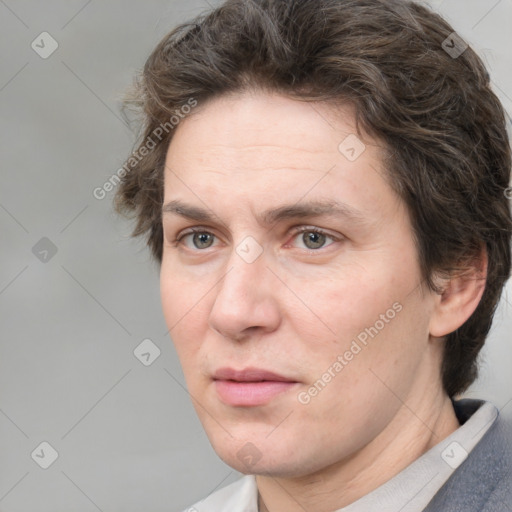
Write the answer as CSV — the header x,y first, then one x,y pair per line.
x,y
240,496
483,482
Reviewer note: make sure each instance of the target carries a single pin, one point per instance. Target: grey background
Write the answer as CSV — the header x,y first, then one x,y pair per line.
x,y
126,434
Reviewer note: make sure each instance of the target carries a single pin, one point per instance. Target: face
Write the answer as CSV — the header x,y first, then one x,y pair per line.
x,y
289,282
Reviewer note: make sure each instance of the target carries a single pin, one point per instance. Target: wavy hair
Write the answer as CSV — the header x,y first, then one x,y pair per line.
x,y
444,129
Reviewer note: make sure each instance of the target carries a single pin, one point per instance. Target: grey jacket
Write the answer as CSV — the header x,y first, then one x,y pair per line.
x,y
483,482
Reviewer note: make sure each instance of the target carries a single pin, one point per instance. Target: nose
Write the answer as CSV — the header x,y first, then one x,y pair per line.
x,y
246,304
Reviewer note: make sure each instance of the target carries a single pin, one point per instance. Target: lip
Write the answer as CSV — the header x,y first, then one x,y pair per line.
x,y
250,387
250,374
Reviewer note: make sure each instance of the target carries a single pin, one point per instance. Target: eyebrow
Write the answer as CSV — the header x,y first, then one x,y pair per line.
x,y
331,208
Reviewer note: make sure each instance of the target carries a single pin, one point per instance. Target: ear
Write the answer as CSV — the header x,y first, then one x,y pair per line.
x,y
460,296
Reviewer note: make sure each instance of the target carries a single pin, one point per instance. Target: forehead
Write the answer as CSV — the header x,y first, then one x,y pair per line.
x,y
248,122
260,143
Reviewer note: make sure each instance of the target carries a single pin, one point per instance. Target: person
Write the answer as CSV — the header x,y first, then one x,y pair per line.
x,y
324,184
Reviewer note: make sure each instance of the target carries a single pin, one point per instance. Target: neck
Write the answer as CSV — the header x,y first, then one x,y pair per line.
x,y
408,436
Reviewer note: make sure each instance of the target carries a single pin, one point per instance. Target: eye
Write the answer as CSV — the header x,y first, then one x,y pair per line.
x,y
313,239
199,238
307,238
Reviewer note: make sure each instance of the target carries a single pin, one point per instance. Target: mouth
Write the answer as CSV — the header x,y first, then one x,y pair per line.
x,y
250,387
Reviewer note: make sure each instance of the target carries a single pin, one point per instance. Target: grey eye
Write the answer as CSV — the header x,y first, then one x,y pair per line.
x,y
202,240
313,239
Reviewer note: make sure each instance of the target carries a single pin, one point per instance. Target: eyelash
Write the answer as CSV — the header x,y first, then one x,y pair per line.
x,y
296,232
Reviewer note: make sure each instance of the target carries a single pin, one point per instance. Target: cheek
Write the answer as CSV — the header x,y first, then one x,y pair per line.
x,y
349,378
378,354
345,301
183,309
370,309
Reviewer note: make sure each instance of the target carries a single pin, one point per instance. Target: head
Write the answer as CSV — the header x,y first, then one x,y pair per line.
x,y
345,177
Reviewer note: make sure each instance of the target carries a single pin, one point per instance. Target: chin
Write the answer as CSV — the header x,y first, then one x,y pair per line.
x,y
261,457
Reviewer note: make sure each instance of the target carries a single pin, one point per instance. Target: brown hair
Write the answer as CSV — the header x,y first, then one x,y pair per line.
x,y
443,127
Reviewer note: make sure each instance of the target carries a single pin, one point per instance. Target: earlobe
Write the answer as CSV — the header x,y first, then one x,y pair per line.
x,y
460,296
